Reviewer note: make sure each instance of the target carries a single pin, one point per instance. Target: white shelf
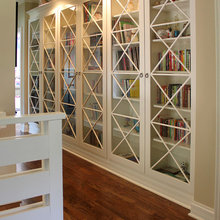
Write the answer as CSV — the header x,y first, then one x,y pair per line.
x,y
171,73
172,39
169,23
126,130
171,142
124,99
182,4
171,108
126,44
126,72
134,14
97,94
99,21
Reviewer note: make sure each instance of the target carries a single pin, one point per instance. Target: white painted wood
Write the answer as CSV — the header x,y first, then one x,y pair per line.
x,y
20,150
42,213
25,186
201,212
31,118
45,181
55,165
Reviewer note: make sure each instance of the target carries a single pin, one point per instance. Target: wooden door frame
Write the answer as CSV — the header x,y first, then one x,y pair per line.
x,y
217,187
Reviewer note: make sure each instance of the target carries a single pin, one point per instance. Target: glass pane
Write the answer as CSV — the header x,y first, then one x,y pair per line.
x,y
34,67
93,73
171,89
49,63
68,77
125,80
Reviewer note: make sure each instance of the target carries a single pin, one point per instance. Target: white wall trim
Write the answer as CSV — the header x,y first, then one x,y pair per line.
x,y
217,186
201,212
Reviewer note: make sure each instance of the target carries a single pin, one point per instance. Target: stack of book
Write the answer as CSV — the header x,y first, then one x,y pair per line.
x,y
125,31
94,10
174,134
170,62
98,88
70,40
134,91
182,99
125,63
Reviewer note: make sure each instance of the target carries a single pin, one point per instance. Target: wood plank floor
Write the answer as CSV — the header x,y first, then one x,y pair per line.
x,y
93,193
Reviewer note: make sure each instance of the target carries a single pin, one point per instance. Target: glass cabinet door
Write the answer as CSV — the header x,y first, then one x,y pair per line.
x,y
34,66
125,76
49,44
68,75
92,74
171,88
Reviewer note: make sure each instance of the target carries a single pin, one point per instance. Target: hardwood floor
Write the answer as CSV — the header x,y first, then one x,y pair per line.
x,y
93,193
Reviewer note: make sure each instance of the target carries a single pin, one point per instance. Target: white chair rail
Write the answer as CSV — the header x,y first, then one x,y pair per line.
x,y
45,181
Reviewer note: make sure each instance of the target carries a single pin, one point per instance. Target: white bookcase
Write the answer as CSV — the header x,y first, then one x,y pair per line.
x,y
123,73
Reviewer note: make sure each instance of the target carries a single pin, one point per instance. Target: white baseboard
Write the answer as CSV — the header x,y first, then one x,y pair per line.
x,y
201,212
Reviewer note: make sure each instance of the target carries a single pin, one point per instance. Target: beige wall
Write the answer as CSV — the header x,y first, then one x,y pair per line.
x,y
7,56
205,103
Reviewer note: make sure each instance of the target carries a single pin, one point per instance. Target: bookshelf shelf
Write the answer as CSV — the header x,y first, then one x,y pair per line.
x,y
127,130
99,21
171,40
125,99
171,143
171,108
169,7
134,14
169,23
132,44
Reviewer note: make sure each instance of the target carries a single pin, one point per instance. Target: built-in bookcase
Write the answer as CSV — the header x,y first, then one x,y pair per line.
x,y
123,72
171,88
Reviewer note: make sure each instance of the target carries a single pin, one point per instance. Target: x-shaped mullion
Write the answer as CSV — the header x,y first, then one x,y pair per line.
x,y
45,105
125,95
34,60
68,120
33,106
170,153
49,28
164,4
92,127
124,51
67,24
125,138
92,92
170,101
68,56
68,88
92,17
48,56
92,54
34,31
49,86
169,49
34,85
126,12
